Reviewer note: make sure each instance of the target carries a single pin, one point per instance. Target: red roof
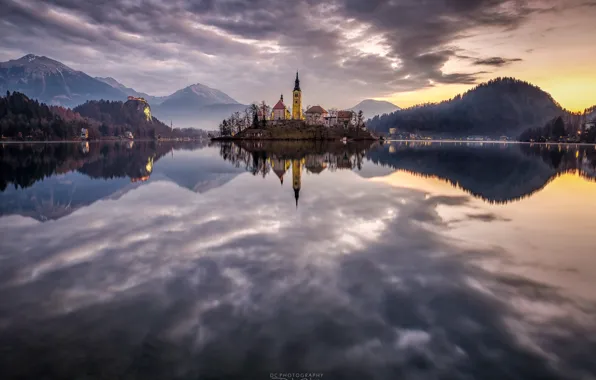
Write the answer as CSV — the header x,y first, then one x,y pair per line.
x,y
344,114
316,109
280,106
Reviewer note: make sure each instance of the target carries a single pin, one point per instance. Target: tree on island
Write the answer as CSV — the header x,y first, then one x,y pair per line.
x,y
360,119
254,109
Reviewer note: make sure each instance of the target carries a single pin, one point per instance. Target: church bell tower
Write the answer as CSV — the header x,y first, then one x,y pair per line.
x,y
297,101
296,178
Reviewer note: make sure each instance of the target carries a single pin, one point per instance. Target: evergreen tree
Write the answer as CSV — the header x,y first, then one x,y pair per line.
x,y
559,128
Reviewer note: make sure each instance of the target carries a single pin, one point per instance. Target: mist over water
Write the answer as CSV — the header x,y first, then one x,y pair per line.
x,y
395,261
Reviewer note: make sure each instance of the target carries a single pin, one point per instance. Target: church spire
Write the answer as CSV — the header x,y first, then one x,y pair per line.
x,y
296,178
296,195
297,83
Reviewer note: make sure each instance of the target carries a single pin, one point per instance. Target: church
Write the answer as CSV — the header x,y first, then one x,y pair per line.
x,y
315,115
281,112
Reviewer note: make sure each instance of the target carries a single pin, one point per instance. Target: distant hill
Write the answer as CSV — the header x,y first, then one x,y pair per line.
x,y
197,95
154,100
119,117
371,108
197,106
53,82
504,106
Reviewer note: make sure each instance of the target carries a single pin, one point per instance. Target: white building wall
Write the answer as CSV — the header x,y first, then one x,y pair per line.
x,y
279,114
316,118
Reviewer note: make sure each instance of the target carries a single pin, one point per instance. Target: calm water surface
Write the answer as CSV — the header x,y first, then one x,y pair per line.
x,y
195,261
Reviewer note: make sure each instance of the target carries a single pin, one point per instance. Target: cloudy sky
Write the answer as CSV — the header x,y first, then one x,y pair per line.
x,y
406,51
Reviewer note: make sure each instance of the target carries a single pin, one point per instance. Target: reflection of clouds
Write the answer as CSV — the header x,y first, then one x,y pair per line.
x,y
350,282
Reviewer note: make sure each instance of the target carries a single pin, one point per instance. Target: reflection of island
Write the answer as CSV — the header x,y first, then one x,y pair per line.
x,y
494,172
314,157
48,181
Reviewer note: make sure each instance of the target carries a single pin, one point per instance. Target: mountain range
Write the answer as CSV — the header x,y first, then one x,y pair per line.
x,y
371,108
54,83
503,106
197,105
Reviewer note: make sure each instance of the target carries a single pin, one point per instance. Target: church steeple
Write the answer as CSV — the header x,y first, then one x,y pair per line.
x,y
297,83
296,178
296,195
297,100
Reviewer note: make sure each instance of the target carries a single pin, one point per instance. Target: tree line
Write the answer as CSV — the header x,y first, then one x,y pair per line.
x,y
22,118
556,130
253,116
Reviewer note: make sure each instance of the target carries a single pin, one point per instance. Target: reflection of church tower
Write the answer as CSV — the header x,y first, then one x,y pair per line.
x,y
280,167
297,101
296,178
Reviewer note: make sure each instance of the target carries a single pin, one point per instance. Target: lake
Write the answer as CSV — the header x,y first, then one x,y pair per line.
x,y
288,260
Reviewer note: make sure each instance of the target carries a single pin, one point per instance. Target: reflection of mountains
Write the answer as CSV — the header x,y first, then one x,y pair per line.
x,y
56,179
493,172
200,172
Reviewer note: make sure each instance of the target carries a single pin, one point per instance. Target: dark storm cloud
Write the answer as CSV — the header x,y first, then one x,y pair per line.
x,y
420,33
496,61
419,37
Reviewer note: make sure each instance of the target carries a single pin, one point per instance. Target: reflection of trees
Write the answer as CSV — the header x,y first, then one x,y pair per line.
x,y
24,164
256,156
565,158
494,172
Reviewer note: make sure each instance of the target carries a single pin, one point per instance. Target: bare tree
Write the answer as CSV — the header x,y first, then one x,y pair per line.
x,y
360,119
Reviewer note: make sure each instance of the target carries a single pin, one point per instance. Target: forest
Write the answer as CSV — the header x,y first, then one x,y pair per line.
x,y
22,118
557,130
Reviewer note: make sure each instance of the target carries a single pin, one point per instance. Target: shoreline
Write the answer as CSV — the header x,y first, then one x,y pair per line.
x,y
89,141
296,140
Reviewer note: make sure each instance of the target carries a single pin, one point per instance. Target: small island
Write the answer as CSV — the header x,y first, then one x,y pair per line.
x,y
261,122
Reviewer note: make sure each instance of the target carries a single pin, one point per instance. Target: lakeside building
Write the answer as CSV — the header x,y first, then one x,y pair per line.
x,y
316,115
344,117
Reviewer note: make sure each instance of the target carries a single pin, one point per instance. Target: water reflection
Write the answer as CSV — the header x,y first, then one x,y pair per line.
x,y
497,173
263,158
48,181
366,279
